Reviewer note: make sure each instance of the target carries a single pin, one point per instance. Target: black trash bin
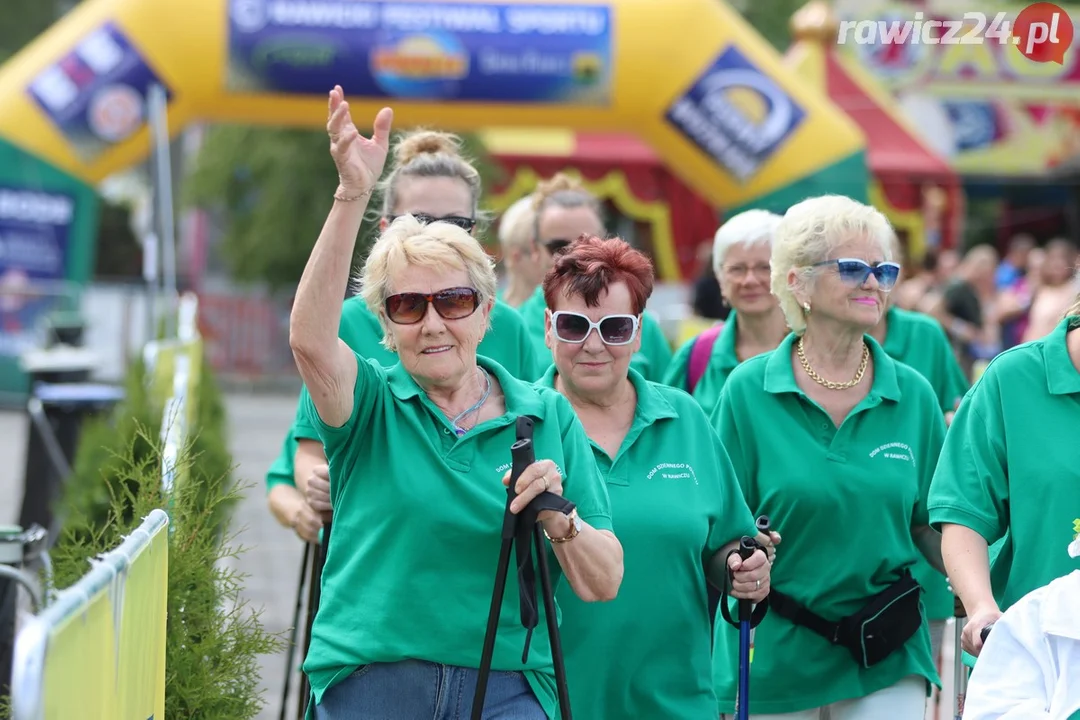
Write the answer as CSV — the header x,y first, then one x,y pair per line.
x,y
61,398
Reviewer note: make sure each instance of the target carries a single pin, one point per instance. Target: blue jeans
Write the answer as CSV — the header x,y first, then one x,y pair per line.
x,y
418,690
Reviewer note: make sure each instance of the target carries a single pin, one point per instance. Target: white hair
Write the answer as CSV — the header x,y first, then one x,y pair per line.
x,y
808,233
516,224
750,228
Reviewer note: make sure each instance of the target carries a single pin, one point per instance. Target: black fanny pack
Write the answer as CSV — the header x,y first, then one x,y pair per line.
x,y
873,633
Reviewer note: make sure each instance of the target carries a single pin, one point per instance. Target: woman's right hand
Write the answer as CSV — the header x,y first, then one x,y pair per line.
x,y
318,491
307,523
971,639
359,161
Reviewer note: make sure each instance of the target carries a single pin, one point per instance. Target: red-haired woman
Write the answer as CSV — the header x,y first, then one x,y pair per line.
x,y
674,499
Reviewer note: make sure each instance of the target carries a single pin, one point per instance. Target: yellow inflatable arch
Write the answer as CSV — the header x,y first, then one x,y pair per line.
x,y
689,77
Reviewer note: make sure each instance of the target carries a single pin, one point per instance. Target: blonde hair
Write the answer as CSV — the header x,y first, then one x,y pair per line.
x,y
750,228
431,154
563,191
516,224
808,233
1074,309
408,243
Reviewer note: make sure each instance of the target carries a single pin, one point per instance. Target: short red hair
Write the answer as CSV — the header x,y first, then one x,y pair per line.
x,y
590,265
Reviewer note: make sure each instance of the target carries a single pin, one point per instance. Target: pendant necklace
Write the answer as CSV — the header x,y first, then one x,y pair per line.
x,y
458,430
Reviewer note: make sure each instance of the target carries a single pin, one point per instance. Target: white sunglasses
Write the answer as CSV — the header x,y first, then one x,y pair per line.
x,y
572,327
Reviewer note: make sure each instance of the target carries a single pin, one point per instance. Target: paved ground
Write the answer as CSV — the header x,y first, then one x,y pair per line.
x,y
256,424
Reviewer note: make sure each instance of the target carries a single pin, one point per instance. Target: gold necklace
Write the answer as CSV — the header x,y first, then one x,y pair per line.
x,y
829,383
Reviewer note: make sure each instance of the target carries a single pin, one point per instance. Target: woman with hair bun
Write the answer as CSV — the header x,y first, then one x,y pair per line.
x,y
431,181
564,211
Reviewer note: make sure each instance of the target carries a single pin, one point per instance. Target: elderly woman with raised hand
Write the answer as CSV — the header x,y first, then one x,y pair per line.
x,y
1008,477
418,456
836,443
564,211
676,505
756,325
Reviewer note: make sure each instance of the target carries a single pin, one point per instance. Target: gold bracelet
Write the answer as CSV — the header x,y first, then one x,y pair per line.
x,y
341,197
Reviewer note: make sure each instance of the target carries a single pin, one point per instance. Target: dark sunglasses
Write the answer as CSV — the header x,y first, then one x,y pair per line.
x,y
556,246
571,327
451,304
855,272
466,224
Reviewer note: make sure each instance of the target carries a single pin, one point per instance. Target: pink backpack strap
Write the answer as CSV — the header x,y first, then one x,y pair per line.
x,y
700,354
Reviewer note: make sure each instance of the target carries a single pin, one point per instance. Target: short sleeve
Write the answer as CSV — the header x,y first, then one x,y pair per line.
x,y
970,486
583,483
933,438
739,453
733,519
281,471
370,382
678,370
303,428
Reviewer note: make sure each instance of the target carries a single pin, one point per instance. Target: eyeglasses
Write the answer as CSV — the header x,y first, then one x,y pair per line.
x,y
572,327
738,272
451,304
556,245
855,272
465,223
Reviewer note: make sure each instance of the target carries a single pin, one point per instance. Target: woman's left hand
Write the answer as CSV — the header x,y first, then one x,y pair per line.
x,y
541,476
750,576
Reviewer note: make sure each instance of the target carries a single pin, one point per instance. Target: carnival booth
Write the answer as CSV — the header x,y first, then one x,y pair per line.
x,y
910,182
669,219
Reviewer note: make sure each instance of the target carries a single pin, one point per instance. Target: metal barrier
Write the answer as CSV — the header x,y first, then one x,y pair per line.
x,y
28,697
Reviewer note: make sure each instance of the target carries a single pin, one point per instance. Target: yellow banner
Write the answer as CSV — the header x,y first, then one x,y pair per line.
x,y
690,77
99,650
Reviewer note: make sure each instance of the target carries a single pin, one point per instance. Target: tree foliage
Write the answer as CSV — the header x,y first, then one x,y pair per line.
x,y
270,190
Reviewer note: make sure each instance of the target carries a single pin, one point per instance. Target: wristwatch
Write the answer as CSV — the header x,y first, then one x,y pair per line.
x,y
575,528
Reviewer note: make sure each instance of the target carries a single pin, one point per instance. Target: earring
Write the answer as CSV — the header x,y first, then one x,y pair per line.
x,y
724,301
806,307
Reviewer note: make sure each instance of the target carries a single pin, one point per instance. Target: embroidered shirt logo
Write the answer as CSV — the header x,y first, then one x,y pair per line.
x,y
505,467
673,471
895,451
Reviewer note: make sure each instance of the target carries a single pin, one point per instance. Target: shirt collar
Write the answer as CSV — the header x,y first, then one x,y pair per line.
x,y
1062,378
780,373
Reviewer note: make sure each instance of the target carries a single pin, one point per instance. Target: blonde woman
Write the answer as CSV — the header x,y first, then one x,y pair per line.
x,y
416,457
836,443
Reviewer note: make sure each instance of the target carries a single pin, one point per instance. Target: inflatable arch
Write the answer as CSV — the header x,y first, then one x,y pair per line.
x,y
689,77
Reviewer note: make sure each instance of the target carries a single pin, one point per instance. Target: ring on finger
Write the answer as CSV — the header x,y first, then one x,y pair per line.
x,y
547,483
758,585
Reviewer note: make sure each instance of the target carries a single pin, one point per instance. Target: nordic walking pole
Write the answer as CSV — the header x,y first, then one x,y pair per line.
x,y
291,647
750,616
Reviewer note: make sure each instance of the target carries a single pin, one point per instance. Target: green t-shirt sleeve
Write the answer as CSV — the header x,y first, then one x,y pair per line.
x,y
583,483
931,451
343,443
971,485
529,370
678,370
303,428
740,455
281,471
734,518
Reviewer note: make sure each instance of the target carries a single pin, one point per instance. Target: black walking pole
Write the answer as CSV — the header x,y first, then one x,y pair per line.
x,y
750,616
318,559
295,630
520,532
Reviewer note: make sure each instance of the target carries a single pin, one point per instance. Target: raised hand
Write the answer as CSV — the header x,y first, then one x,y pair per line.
x,y
359,160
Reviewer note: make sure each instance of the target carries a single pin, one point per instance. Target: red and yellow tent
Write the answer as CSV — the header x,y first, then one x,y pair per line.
x,y
615,167
914,186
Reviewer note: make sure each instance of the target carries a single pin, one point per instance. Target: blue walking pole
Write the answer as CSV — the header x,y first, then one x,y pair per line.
x,y
750,616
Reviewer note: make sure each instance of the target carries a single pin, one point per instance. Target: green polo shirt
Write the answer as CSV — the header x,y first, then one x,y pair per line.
x,y
920,342
1008,470
844,499
281,471
675,502
419,518
722,360
651,360
506,342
